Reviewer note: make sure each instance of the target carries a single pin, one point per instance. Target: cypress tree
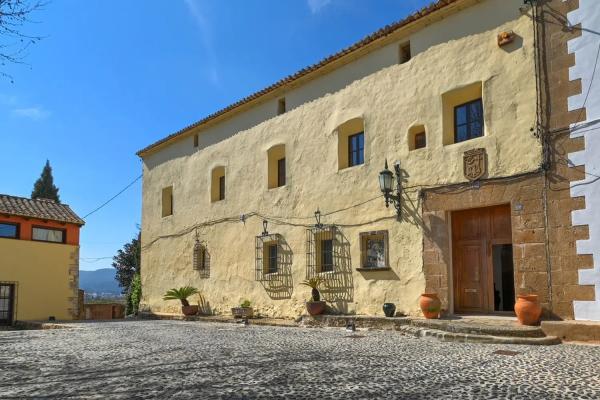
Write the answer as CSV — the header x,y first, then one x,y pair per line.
x,y
44,186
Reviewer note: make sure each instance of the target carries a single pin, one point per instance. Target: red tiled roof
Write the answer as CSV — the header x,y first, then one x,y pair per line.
x,y
385,31
38,208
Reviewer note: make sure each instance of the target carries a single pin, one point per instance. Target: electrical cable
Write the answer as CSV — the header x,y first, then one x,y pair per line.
x,y
114,197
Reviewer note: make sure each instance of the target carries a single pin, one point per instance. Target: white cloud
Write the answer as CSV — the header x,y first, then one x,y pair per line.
x,y
206,31
317,5
34,113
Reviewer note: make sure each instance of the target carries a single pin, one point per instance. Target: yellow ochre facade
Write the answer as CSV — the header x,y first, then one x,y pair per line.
x,y
45,278
375,88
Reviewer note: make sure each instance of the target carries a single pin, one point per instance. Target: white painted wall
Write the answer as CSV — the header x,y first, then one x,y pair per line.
x,y
586,48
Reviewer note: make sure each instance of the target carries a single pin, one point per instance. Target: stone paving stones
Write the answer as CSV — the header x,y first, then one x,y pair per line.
x,y
200,360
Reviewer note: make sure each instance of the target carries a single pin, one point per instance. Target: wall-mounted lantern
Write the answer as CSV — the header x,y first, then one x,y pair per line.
x,y
386,183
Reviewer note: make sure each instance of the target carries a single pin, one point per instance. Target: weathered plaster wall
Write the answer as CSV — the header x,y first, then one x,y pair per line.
x,y
390,100
46,278
586,49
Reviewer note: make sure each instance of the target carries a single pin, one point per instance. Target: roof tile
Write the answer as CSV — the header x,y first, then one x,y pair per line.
x,y
38,208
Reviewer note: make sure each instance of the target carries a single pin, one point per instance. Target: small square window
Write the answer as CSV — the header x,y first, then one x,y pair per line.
x,y
468,121
356,149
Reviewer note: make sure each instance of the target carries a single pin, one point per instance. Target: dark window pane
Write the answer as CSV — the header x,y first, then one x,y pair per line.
x,y
272,266
420,140
468,121
476,111
8,230
326,255
461,115
476,130
461,133
222,188
356,144
281,172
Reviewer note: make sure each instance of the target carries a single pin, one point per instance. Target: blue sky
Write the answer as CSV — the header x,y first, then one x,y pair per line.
x,y
112,77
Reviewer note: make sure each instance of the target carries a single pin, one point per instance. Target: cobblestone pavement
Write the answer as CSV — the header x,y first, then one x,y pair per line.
x,y
174,359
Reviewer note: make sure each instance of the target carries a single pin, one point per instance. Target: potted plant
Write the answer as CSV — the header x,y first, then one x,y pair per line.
x,y
528,309
182,295
245,310
314,306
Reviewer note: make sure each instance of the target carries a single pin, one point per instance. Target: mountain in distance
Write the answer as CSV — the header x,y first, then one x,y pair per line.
x,y
99,283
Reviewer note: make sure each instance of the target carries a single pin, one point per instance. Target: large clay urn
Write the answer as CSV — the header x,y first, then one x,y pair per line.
x,y
189,310
430,305
315,307
528,309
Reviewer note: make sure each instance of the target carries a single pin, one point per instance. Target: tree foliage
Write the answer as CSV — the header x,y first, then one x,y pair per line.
x,y
14,43
134,295
127,263
44,187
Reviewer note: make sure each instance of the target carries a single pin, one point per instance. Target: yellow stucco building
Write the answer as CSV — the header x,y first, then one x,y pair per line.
x,y
39,260
437,93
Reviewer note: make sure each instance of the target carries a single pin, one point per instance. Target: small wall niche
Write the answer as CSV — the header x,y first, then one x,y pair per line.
x,y
217,186
281,107
404,53
417,137
276,174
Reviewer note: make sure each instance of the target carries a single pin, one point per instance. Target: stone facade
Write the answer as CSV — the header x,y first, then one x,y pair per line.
x,y
557,117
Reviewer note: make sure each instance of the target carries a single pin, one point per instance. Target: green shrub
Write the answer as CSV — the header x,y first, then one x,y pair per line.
x,y
134,295
245,303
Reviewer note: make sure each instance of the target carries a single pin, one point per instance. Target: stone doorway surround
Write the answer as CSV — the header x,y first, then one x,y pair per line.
x,y
525,194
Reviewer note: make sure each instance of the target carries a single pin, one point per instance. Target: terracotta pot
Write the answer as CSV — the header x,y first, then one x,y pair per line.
x,y
389,309
242,312
430,305
528,309
189,310
315,307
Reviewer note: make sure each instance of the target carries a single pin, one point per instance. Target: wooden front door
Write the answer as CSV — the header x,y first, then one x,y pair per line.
x,y
474,232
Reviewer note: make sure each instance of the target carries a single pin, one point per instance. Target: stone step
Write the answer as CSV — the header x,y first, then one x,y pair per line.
x,y
475,338
492,327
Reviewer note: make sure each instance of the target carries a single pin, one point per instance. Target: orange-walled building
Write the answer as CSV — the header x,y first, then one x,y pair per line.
x,y
39,260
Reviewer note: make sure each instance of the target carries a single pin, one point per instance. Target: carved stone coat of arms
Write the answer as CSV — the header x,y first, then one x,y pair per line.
x,y
475,164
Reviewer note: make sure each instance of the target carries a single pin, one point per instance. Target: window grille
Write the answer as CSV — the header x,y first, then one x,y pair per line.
x,y
328,257
322,250
201,259
269,257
